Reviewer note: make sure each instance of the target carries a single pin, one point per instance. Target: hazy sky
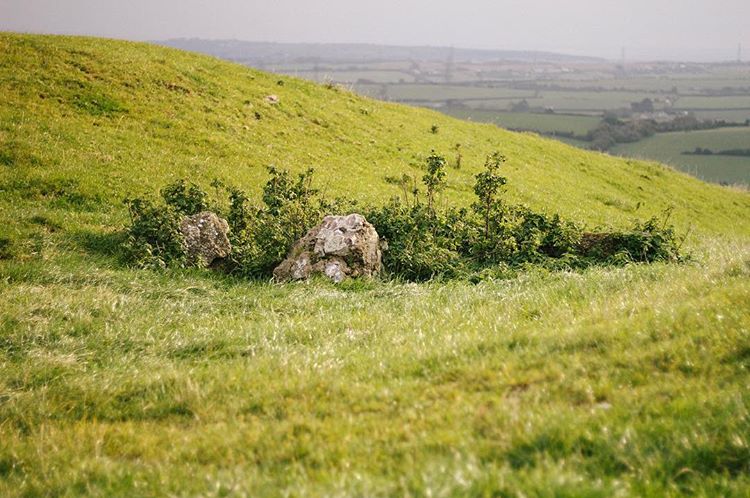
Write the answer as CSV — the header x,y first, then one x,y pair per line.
x,y
696,29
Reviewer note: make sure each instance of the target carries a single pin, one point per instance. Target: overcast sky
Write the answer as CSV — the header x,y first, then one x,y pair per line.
x,y
695,29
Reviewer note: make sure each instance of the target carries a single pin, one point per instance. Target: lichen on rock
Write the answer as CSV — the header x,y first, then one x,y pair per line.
x,y
340,247
206,238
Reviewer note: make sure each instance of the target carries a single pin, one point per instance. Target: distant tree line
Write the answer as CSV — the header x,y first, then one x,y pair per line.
x,y
613,130
701,151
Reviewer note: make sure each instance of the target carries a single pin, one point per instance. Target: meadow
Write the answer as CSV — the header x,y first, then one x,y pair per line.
x,y
669,148
115,381
627,382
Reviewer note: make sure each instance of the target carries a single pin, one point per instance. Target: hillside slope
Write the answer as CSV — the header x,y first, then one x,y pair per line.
x,y
115,381
97,120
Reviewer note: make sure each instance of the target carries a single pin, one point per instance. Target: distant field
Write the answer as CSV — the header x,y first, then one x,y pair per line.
x,y
444,92
544,123
600,101
656,83
350,77
579,107
501,98
733,116
669,147
734,102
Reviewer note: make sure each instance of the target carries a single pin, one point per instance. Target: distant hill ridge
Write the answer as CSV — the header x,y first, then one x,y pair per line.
x,y
250,52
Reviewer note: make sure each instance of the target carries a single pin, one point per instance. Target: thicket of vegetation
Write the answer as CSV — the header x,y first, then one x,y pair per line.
x,y
491,238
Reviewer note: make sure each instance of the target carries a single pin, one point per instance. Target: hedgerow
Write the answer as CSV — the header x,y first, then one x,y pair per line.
x,y
491,238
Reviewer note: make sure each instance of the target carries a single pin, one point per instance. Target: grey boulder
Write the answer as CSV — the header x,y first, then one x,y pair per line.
x,y
340,247
206,238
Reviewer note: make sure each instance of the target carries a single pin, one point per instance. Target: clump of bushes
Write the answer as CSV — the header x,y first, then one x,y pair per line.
x,y
426,243
262,235
490,238
650,241
154,239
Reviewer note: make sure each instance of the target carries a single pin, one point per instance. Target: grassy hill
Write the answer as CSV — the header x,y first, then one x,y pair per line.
x,y
115,381
103,119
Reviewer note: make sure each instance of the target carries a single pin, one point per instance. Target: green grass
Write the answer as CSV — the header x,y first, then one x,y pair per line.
x,y
118,382
669,148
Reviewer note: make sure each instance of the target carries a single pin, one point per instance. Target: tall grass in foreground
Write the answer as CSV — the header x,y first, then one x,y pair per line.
x,y
628,381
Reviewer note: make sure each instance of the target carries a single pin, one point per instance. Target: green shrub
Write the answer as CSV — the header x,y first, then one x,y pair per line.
x,y
421,244
487,188
434,178
185,197
492,239
519,235
154,239
262,236
647,242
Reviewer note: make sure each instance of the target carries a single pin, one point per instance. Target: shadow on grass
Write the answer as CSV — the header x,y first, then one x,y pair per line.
x,y
110,248
107,245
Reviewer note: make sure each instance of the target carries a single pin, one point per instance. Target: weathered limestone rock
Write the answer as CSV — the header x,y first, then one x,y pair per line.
x,y
340,247
205,238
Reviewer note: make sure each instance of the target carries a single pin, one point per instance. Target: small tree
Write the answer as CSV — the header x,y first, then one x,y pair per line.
x,y
487,187
459,156
434,180
281,189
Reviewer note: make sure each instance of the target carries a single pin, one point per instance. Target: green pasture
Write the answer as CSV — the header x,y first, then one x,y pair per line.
x,y
114,381
669,147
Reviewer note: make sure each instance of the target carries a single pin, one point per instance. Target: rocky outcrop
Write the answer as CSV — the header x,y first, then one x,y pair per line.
x,y
206,238
340,247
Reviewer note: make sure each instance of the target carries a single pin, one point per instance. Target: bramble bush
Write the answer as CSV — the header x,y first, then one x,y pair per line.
x,y
425,243
262,236
650,241
185,197
492,238
154,239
